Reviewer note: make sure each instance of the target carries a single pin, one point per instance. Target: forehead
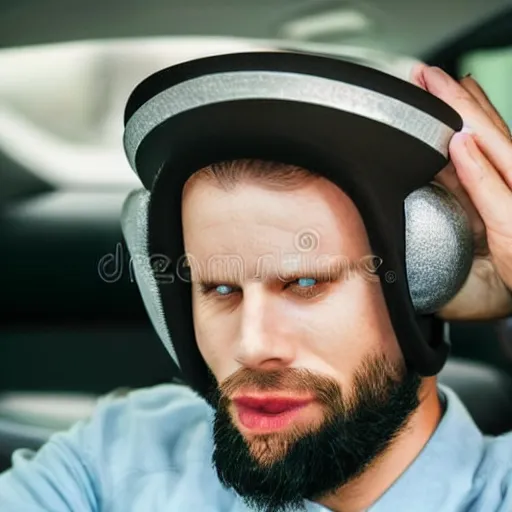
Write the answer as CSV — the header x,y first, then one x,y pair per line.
x,y
251,220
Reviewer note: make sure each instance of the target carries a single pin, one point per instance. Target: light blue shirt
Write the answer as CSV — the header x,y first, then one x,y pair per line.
x,y
150,451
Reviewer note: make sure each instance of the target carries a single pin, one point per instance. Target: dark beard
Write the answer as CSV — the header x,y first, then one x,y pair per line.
x,y
293,466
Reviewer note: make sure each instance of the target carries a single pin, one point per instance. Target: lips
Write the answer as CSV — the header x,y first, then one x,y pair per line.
x,y
265,414
270,405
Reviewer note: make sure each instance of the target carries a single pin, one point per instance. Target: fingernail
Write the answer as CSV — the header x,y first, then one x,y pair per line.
x,y
416,75
467,129
468,75
439,72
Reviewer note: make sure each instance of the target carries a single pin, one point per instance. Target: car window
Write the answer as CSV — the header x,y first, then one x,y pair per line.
x,y
492,68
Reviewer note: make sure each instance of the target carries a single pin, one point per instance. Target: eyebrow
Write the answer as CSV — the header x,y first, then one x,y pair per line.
x,y
333,271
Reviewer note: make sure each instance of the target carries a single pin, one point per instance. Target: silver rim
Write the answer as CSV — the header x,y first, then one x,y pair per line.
x,y
242,85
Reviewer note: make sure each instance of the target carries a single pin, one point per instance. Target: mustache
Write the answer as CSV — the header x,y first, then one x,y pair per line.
x,y
286,380
326,390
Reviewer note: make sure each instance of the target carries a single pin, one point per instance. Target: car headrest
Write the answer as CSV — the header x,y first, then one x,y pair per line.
x,y
485,391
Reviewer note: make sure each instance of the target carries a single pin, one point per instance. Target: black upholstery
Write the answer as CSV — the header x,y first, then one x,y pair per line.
x,y
486,392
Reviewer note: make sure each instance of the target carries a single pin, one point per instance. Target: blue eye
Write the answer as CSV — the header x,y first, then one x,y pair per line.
x,y
306,281
223,289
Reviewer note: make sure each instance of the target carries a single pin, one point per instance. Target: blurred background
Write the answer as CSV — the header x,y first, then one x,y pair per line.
x,y
72,324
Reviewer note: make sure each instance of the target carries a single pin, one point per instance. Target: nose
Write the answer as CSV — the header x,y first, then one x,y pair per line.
x,y
264,342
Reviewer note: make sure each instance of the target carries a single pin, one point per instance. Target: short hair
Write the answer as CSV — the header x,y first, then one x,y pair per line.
x,y
275,175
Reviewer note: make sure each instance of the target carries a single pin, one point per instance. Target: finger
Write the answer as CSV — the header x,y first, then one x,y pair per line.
x,y
497,150
485,187
470,85
474,88
449,179
495,145
450,91
416,75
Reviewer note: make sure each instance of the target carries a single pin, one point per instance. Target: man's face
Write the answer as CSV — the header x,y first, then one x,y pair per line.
x,y
293,326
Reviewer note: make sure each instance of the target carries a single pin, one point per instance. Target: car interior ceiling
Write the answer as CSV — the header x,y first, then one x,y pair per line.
x,y
73,323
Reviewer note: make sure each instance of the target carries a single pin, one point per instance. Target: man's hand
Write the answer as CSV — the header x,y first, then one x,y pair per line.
x,y
480,176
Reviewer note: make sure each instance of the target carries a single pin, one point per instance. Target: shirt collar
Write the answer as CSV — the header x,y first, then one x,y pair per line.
x,y
443,471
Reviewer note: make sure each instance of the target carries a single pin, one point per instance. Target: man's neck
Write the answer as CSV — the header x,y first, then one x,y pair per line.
x,y
365,490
